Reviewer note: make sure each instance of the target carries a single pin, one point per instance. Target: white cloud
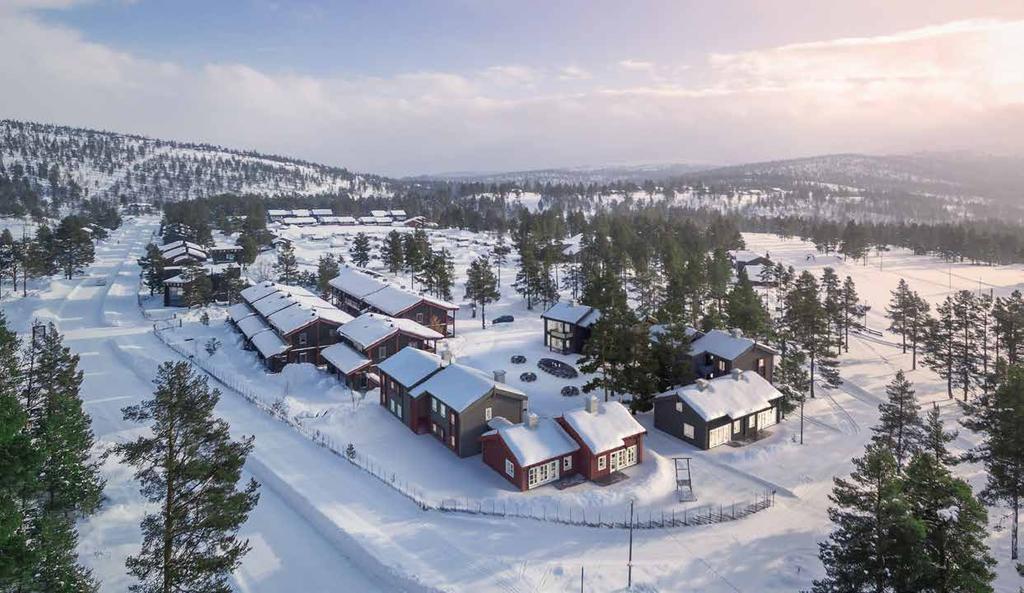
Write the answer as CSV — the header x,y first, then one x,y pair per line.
x,y
959,85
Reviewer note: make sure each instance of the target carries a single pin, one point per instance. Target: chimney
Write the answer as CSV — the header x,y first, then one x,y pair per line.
x,y
702,384
531,421
499,376
737,374
592,404
447,358
736,332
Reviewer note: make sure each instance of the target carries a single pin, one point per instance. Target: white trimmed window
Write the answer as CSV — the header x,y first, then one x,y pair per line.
x,y
602,463
451,441
687,430
303,339
510,469
679,406
567,463
382,352
419,318
434,404
488,413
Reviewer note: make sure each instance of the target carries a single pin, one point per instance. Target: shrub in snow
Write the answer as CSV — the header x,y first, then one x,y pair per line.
x,y
279,408
204,318
350,451
212,346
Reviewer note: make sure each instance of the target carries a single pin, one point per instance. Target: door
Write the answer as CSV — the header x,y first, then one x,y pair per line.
x,y
542,474
766,418
719,436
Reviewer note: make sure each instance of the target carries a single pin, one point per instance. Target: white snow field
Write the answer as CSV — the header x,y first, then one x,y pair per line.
x,y
325,525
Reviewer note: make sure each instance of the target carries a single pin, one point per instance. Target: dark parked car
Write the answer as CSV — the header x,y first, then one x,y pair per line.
x,y
503,319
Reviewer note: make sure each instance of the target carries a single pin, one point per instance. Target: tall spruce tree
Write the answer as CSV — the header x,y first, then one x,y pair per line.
x,y
152,265
897,312
1008,318
18,467
73,247
852,311
327,269
936,437
899,424
918,316
940,353
793,381
360,250
808,324
877,543
287,266
956,527
190,467
744,308
392,252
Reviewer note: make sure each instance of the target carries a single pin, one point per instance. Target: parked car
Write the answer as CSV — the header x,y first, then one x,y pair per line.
x,y
503,319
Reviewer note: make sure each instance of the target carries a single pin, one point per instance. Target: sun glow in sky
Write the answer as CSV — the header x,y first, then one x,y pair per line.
x,y
407,87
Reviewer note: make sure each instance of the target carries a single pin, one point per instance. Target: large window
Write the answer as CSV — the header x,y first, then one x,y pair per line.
x,y
510,469
687,430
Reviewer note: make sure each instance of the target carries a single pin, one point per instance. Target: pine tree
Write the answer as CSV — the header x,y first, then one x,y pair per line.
x,y
852,311
327,269
287,266
42,253
745,309
500,255
527,279
190,467
440,275
481,286
604,354
898,312
1008,318
152,265
936,437
18,467
918,317
939,352
360,251
793,381
832,302
74,249
670,349
957,556
998,417
198,288
416,249
877,543
807,323
899,424
392,252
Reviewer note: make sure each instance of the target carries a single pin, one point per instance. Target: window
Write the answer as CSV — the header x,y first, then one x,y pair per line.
x,y
687,430
602,463
303,339
737,426
721,366
382,352
679,406
433,403
303,357
451,441
761,367
567,463
488,413
419,318
510,469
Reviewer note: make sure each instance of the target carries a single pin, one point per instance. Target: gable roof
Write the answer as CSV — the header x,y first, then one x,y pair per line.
x,y
379,294
269,344
258,291
344,358
727,345
179,243
734,395
250,326
531,446
410,365
458,386
240,311
604,429
582,315
356,282
370,328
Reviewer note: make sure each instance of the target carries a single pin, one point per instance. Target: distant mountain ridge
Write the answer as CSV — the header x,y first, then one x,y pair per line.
x,y
79,162
598,174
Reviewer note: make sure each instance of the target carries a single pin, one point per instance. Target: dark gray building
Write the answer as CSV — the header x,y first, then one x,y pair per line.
x,y
567,327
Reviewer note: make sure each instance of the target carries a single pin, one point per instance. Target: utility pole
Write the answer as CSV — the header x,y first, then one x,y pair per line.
x,y
629,577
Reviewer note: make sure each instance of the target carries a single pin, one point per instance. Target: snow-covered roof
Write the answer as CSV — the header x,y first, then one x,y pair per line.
x,y
367,219
250,326
410,365
378,213
356,282
531,446
177,280
296,220
274,303
301,213
176,244
370,328
604,429
240,311
743,255
734,395
392,300
322,212
582,315
383,219
728,345
658,329
397,212
269,344
226,248
458,386
258,291
293,318
345,358
184,251
279,212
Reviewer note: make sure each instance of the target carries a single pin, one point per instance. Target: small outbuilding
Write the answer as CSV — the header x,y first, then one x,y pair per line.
x,y
567,327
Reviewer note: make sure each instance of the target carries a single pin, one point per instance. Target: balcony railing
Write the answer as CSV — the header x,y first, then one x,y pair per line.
x,y
559,334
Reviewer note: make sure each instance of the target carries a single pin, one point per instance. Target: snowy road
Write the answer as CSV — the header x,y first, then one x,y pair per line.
x,y
102,325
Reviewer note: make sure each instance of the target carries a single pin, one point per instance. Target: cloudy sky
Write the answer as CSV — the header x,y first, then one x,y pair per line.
x,y
420,86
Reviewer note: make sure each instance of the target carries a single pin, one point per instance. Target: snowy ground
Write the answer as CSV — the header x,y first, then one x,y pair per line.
x,y
323,525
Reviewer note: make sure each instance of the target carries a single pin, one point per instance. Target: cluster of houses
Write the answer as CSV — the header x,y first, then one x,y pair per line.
x,y
219,263
732,398
471,412
315,216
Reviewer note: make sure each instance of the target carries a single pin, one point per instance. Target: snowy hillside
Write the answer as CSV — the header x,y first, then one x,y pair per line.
x,y
80,163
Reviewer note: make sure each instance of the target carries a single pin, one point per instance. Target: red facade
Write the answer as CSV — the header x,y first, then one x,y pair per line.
x,y
590,462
